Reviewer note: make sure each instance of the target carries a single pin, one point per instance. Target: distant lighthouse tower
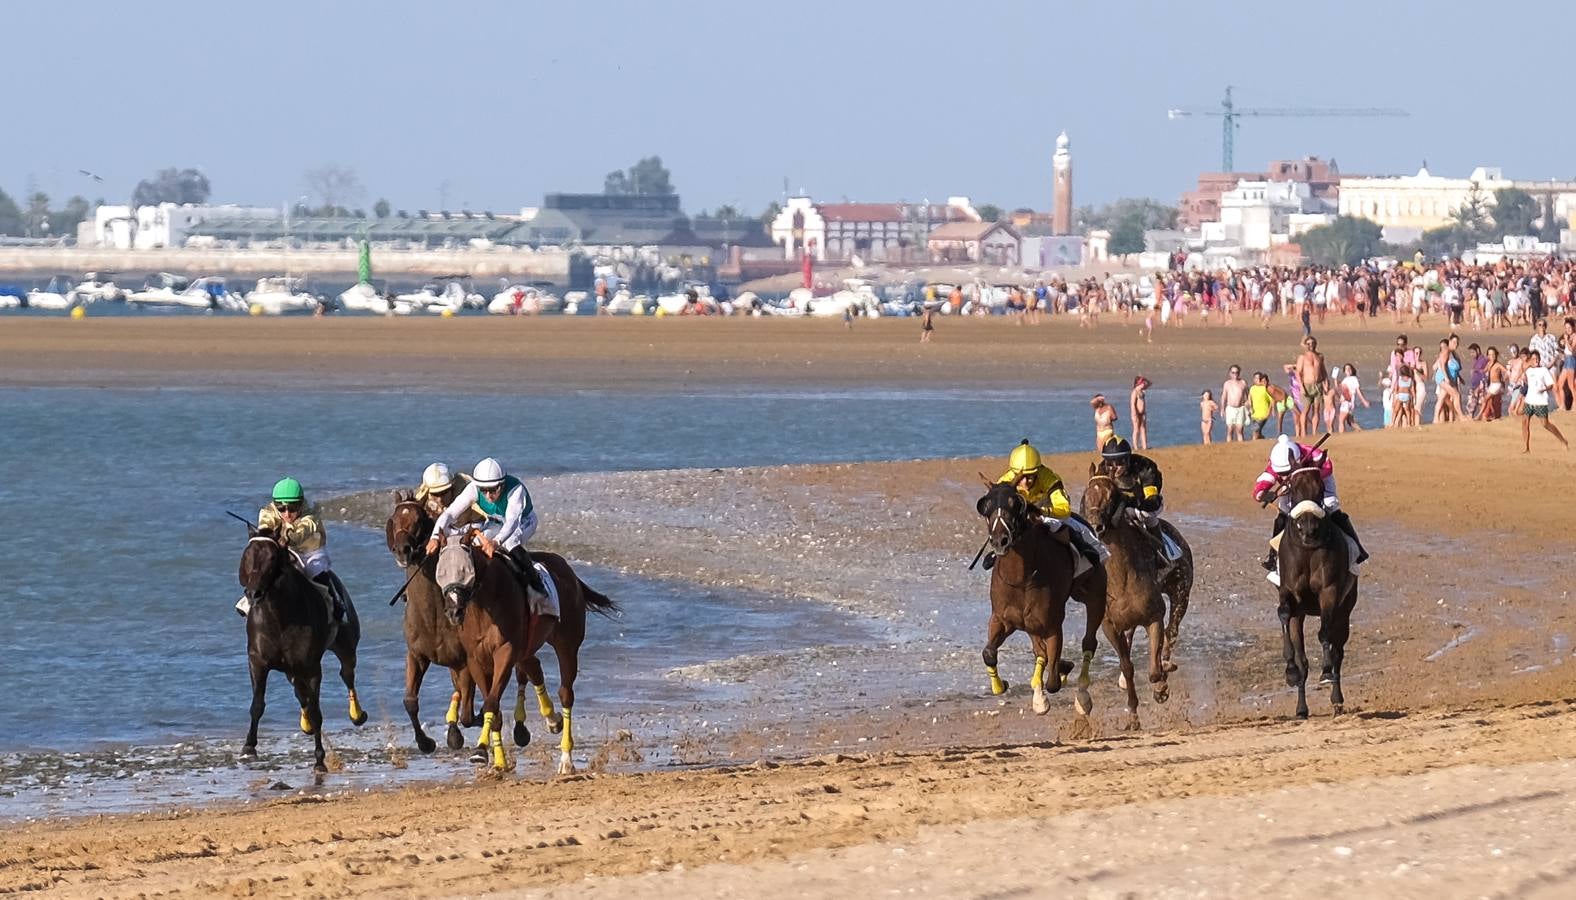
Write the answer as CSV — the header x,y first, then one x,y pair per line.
x,y
1062,166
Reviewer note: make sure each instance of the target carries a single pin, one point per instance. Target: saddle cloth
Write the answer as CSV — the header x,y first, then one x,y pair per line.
x,y
545,604
1351,554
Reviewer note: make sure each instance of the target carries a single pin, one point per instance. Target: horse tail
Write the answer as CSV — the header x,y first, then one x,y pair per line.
x,y
599,602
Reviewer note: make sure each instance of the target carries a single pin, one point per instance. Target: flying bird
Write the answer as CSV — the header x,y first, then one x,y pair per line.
x,y
91,175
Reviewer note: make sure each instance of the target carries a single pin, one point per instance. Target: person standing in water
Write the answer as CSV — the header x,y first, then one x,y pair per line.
x,y
1206,417
1139,407
1104,421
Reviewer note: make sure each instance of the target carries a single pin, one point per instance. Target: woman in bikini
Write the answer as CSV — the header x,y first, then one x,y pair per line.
x,y
1207,407
1104,421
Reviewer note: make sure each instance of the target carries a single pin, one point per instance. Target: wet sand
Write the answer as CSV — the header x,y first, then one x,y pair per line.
x,y
631,353
1447,777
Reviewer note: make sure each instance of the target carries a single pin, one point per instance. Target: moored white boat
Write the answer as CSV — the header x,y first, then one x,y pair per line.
x,y
175,291
281,295
91,290
363,297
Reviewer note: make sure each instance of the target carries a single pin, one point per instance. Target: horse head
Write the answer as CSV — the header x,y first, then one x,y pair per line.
x,y
1101,501
1006,514
407,529
261,563
1305,490
456,577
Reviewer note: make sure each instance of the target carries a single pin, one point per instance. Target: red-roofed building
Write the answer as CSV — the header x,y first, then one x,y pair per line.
x,y
874,232
995,243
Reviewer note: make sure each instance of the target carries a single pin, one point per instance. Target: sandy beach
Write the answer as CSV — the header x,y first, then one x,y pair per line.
x,y
1448,776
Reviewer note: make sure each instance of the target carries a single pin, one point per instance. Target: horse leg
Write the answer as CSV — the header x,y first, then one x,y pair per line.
x,y
1324,644
1176,604
460,677
259,689
480,679
522,734
996,632
308,688
1094,618
1340,630
415,671
1124,656
544,702
492,711
1159,685
465,683
1042,704
1299,664
347,674
568,668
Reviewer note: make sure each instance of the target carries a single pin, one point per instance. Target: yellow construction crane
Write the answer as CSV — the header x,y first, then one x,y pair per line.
x,y
1229,114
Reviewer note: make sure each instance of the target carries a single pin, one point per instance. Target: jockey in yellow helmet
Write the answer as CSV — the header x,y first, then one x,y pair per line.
x,y
1044,490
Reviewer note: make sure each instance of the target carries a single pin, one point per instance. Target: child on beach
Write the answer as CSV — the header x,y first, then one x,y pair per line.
x,y
1207,407
927,325
1540,382
1351,391
1404,413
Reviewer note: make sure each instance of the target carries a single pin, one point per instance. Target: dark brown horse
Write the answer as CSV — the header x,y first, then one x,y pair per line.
x,y
429,635
1316,579
289,626
1136,595
500,634
1029,588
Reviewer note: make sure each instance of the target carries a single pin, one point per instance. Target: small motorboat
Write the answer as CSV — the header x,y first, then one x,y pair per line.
x,y
281,295
177,292
52,297
92,290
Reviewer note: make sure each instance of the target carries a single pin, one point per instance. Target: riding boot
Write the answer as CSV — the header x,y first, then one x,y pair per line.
x,y
1280,525
529,576
336,601
1344,522
1084,539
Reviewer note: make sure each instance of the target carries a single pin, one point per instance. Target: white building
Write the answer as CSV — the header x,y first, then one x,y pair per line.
x,y
1257,215
1408,205
164,225
875,232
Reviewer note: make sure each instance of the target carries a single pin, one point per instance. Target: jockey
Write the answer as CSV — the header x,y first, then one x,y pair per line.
x,y
304,536
510,521
437,489
1138,481
1286,457
1045,492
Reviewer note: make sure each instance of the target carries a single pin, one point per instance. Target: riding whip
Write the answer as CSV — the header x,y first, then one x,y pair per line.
x,y
979,555
414,569
1317,445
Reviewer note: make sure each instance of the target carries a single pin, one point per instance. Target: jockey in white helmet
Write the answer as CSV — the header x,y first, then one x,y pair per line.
x,y
510,520
1286,457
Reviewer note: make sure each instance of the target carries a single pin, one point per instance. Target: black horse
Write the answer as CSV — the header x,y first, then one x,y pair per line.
x,y
1316,579
288,628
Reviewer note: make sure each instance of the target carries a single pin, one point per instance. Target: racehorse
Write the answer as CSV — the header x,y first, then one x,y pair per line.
x,y
1135,596
1316,579
289,626
1030,585
488,605
429,636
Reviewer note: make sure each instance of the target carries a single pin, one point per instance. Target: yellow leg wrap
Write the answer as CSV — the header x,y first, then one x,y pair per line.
x,y
544,703
996,685
519,705
355,707
500,759
567,742
487,728
453,717
1083,671
1039,672
306,723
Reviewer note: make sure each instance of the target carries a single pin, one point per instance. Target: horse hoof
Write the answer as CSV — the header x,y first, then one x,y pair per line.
x,y
522,735
1082,702
1302,714
480,756
1162,694
1041,705
248,752
454,739
319,768
362,720
1169,666
1132,723
1338,708
566,766
426,744
555,723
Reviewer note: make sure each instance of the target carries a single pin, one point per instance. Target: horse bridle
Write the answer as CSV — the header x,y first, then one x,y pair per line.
x,y
1103,522
276,566
999,515
412,541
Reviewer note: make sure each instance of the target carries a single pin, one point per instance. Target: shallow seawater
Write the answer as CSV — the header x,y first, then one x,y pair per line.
x,y
123,664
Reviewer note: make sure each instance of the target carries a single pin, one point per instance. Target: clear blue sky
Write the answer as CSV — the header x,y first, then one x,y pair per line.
x,y
868,99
